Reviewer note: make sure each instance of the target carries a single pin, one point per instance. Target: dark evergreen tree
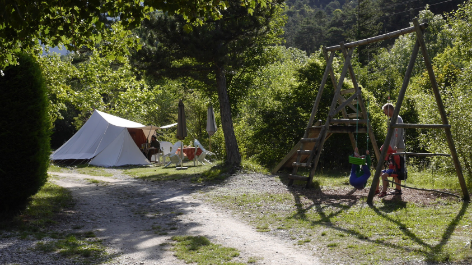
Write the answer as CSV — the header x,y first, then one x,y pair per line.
x,y
213,52
311,33
367,26
24,138
352,20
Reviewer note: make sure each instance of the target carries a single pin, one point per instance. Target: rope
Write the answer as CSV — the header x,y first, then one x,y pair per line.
x,y
357,121
367,123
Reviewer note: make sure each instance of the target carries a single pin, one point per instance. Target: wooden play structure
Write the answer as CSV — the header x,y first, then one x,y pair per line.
x,y
307,151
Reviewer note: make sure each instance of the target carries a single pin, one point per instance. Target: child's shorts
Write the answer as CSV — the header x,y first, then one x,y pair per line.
x,y
388,171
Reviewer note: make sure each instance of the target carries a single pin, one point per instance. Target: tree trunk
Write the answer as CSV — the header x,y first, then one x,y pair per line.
x,y
232,150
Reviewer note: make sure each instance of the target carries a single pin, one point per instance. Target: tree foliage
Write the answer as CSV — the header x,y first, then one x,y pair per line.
x,y
452,66
216,51
76,23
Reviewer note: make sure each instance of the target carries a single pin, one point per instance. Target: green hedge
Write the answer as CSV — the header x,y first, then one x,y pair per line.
x,y
24,133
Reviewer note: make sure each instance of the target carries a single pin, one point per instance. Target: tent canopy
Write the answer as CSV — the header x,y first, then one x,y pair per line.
x,y
107,140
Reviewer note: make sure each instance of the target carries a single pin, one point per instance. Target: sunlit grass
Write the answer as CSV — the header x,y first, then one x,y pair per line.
x,y
81,169
92,171
251,260
95,181
169,173
253,166
54,168
199,250
75,245
390,231
433,180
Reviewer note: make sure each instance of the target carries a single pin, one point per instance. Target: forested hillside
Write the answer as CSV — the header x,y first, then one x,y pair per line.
x,y
312,23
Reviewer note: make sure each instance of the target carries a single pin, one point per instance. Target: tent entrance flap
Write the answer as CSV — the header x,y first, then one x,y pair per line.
x,y
138,136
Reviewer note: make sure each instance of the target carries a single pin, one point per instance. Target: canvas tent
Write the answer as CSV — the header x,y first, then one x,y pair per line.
x,y
107,140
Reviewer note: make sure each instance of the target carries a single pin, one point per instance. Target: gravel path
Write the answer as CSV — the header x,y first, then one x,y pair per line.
x,y
136,220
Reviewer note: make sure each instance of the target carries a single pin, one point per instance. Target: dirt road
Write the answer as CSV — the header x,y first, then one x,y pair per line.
x,y
136,220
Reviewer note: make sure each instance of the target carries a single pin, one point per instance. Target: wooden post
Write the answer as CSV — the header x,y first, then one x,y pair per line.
x,y
363,109
328,69
334,82
340,98
320,142
383,154
435,88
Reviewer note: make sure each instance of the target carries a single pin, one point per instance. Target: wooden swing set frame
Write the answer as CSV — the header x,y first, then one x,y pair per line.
x,y
306,153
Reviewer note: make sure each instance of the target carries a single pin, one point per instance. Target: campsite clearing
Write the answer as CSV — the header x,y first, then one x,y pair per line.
x,y
266,221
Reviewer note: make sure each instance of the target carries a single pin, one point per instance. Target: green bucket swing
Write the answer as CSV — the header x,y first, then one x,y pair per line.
x,y
357,160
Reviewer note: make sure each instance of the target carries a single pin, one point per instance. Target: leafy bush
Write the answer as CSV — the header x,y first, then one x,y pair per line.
x,y
25,149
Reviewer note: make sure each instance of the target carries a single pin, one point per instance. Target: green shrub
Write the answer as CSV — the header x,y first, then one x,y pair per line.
x,y
24,137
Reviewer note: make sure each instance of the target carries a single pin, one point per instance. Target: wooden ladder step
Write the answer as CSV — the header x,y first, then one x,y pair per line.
x,y
348,91
304,152
354,115
348,121
347,129
313,129
308,140
296,164
297,177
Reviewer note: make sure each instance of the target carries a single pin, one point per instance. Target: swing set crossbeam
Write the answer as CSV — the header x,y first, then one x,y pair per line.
x,y
421,126
421,154
386,36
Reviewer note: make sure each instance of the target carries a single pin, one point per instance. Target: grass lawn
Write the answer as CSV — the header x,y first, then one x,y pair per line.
x,y
82,169
169,173
342,228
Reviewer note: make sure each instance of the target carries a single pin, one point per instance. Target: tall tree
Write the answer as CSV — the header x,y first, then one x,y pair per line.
x,y
368,25
213,52
311,33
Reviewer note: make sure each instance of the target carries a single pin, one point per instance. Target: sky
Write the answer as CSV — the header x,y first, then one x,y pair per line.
x,y
62,51
57,50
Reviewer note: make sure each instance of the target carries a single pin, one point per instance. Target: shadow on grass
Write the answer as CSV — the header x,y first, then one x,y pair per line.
x,y
432,252
342,202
